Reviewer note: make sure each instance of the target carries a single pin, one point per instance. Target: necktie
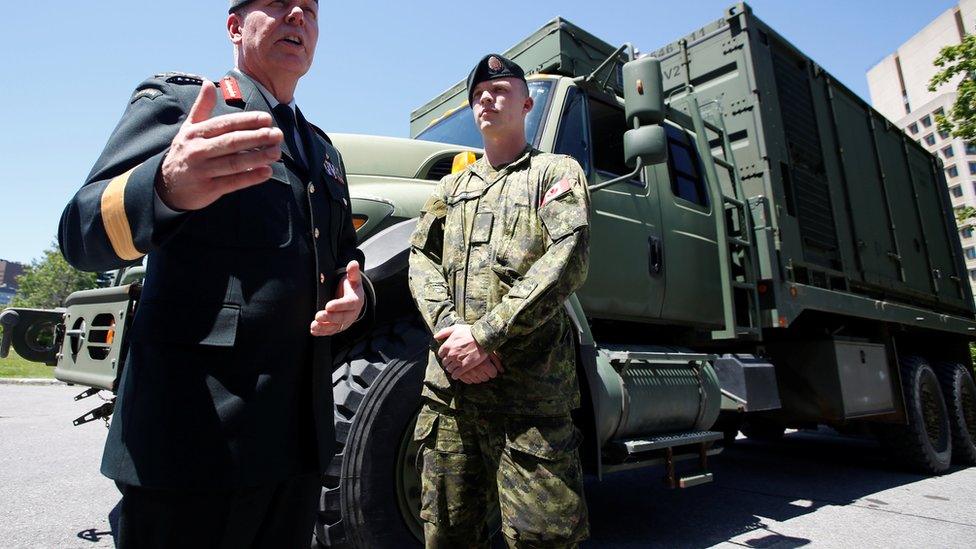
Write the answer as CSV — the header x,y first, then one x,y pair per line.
x,y
286,121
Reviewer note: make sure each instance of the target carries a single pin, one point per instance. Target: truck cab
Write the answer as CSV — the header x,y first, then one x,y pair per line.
x,y
663,207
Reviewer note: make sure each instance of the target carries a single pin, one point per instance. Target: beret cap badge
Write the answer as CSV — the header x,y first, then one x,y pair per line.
x,y
491,67
494,64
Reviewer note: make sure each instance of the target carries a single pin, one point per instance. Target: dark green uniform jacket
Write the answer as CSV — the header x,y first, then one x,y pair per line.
x,y
223,385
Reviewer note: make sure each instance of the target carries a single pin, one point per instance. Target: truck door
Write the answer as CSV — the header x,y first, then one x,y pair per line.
x,y
625,279
690,264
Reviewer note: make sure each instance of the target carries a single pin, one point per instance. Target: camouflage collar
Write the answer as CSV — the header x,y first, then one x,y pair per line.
x,y
485,171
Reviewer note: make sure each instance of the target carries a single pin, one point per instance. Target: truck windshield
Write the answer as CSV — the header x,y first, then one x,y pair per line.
x,y
458,128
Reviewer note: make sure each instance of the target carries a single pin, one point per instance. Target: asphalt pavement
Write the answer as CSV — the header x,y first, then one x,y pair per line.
x,y
815,489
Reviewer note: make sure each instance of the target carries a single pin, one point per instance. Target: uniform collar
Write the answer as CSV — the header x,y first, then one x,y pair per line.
x,y
268,96
483,169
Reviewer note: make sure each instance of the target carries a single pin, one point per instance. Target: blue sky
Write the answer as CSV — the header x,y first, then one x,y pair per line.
x,y
68,68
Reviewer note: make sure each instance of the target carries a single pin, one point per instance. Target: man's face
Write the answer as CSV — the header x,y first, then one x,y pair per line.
x,y
275,38
500,106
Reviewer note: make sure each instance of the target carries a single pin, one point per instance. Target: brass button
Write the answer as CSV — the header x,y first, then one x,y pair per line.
x,y
311,188
322,278
316,232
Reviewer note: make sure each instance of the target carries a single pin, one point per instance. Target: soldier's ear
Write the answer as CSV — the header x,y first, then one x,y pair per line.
x,y
234,31
529,103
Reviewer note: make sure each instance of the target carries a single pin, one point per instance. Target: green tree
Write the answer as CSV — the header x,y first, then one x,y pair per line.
x,y
46,282
964,212
953,61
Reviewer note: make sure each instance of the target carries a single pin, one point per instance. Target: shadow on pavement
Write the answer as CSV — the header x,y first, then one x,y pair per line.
x,y
778,481
93,535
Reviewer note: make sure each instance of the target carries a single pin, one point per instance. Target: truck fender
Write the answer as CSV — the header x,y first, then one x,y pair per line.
x,y
388,251
601,387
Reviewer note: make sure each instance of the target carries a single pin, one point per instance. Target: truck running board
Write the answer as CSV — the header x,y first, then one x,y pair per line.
x,y
667,450
640,445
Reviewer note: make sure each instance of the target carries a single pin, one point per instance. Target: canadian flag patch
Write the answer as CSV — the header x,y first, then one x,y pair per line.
x,y
557,189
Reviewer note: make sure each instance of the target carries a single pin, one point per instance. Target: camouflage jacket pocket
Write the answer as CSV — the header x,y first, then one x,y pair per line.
x,y
544,438
436,291
426,423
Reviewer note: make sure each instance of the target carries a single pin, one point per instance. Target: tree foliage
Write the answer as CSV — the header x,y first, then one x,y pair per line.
x,y
958,60
964,212
46,282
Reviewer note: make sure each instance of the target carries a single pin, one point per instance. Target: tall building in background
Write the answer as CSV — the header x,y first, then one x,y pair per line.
x,y
899,87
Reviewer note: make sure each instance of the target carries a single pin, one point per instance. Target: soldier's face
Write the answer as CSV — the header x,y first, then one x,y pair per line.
x,y
276,38
500,106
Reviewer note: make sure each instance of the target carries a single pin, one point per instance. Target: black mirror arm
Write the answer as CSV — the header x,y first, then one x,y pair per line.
x,y
614,181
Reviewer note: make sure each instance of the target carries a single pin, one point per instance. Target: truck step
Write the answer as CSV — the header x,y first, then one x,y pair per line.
x,y
694,480
647,444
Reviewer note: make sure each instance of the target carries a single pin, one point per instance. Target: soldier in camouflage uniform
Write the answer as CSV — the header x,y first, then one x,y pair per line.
x,y
500,245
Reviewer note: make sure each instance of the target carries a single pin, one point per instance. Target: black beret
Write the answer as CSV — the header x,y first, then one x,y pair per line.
x,y
234,4
490,67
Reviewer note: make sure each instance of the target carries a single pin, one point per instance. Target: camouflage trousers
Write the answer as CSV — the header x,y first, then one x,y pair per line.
x,y
526,466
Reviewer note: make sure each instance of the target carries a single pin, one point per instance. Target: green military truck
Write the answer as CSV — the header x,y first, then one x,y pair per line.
x,y
767,252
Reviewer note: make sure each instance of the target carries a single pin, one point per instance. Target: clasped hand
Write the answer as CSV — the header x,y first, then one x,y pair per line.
x,y
463,358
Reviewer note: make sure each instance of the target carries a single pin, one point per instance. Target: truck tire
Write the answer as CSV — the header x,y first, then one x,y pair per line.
x,y
924,443
762,429
371,492
960,398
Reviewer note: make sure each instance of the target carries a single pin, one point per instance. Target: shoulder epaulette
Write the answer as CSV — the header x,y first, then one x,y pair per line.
x,y
181,78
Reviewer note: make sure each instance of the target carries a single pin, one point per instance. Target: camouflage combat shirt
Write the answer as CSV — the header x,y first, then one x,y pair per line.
x,y
501,250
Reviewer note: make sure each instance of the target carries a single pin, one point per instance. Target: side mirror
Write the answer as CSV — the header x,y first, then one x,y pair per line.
x,y
647,143
644,91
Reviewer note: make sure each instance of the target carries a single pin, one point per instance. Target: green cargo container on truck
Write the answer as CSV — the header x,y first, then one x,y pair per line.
x,y
767,252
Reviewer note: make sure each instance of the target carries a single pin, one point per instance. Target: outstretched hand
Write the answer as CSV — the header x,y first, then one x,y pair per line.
x,y
341,312
211,157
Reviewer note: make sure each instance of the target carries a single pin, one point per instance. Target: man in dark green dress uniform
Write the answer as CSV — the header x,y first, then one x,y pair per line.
x,y
500,246
224,416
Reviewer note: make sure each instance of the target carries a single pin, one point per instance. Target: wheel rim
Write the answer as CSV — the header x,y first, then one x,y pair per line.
x,y
933,415
408,481
408,486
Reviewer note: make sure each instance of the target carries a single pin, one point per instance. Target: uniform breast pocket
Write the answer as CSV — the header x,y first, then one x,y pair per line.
x,y
264,216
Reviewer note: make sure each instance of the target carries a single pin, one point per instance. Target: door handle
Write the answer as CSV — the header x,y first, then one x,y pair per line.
x,y
655,256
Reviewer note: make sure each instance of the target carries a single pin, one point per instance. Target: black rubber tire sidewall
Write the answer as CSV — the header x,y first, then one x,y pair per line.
x,y
910,442
956,381
365,470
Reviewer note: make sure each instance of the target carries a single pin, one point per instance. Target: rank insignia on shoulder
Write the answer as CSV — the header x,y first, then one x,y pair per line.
x,y
231,89
180,78
557,189
149,93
